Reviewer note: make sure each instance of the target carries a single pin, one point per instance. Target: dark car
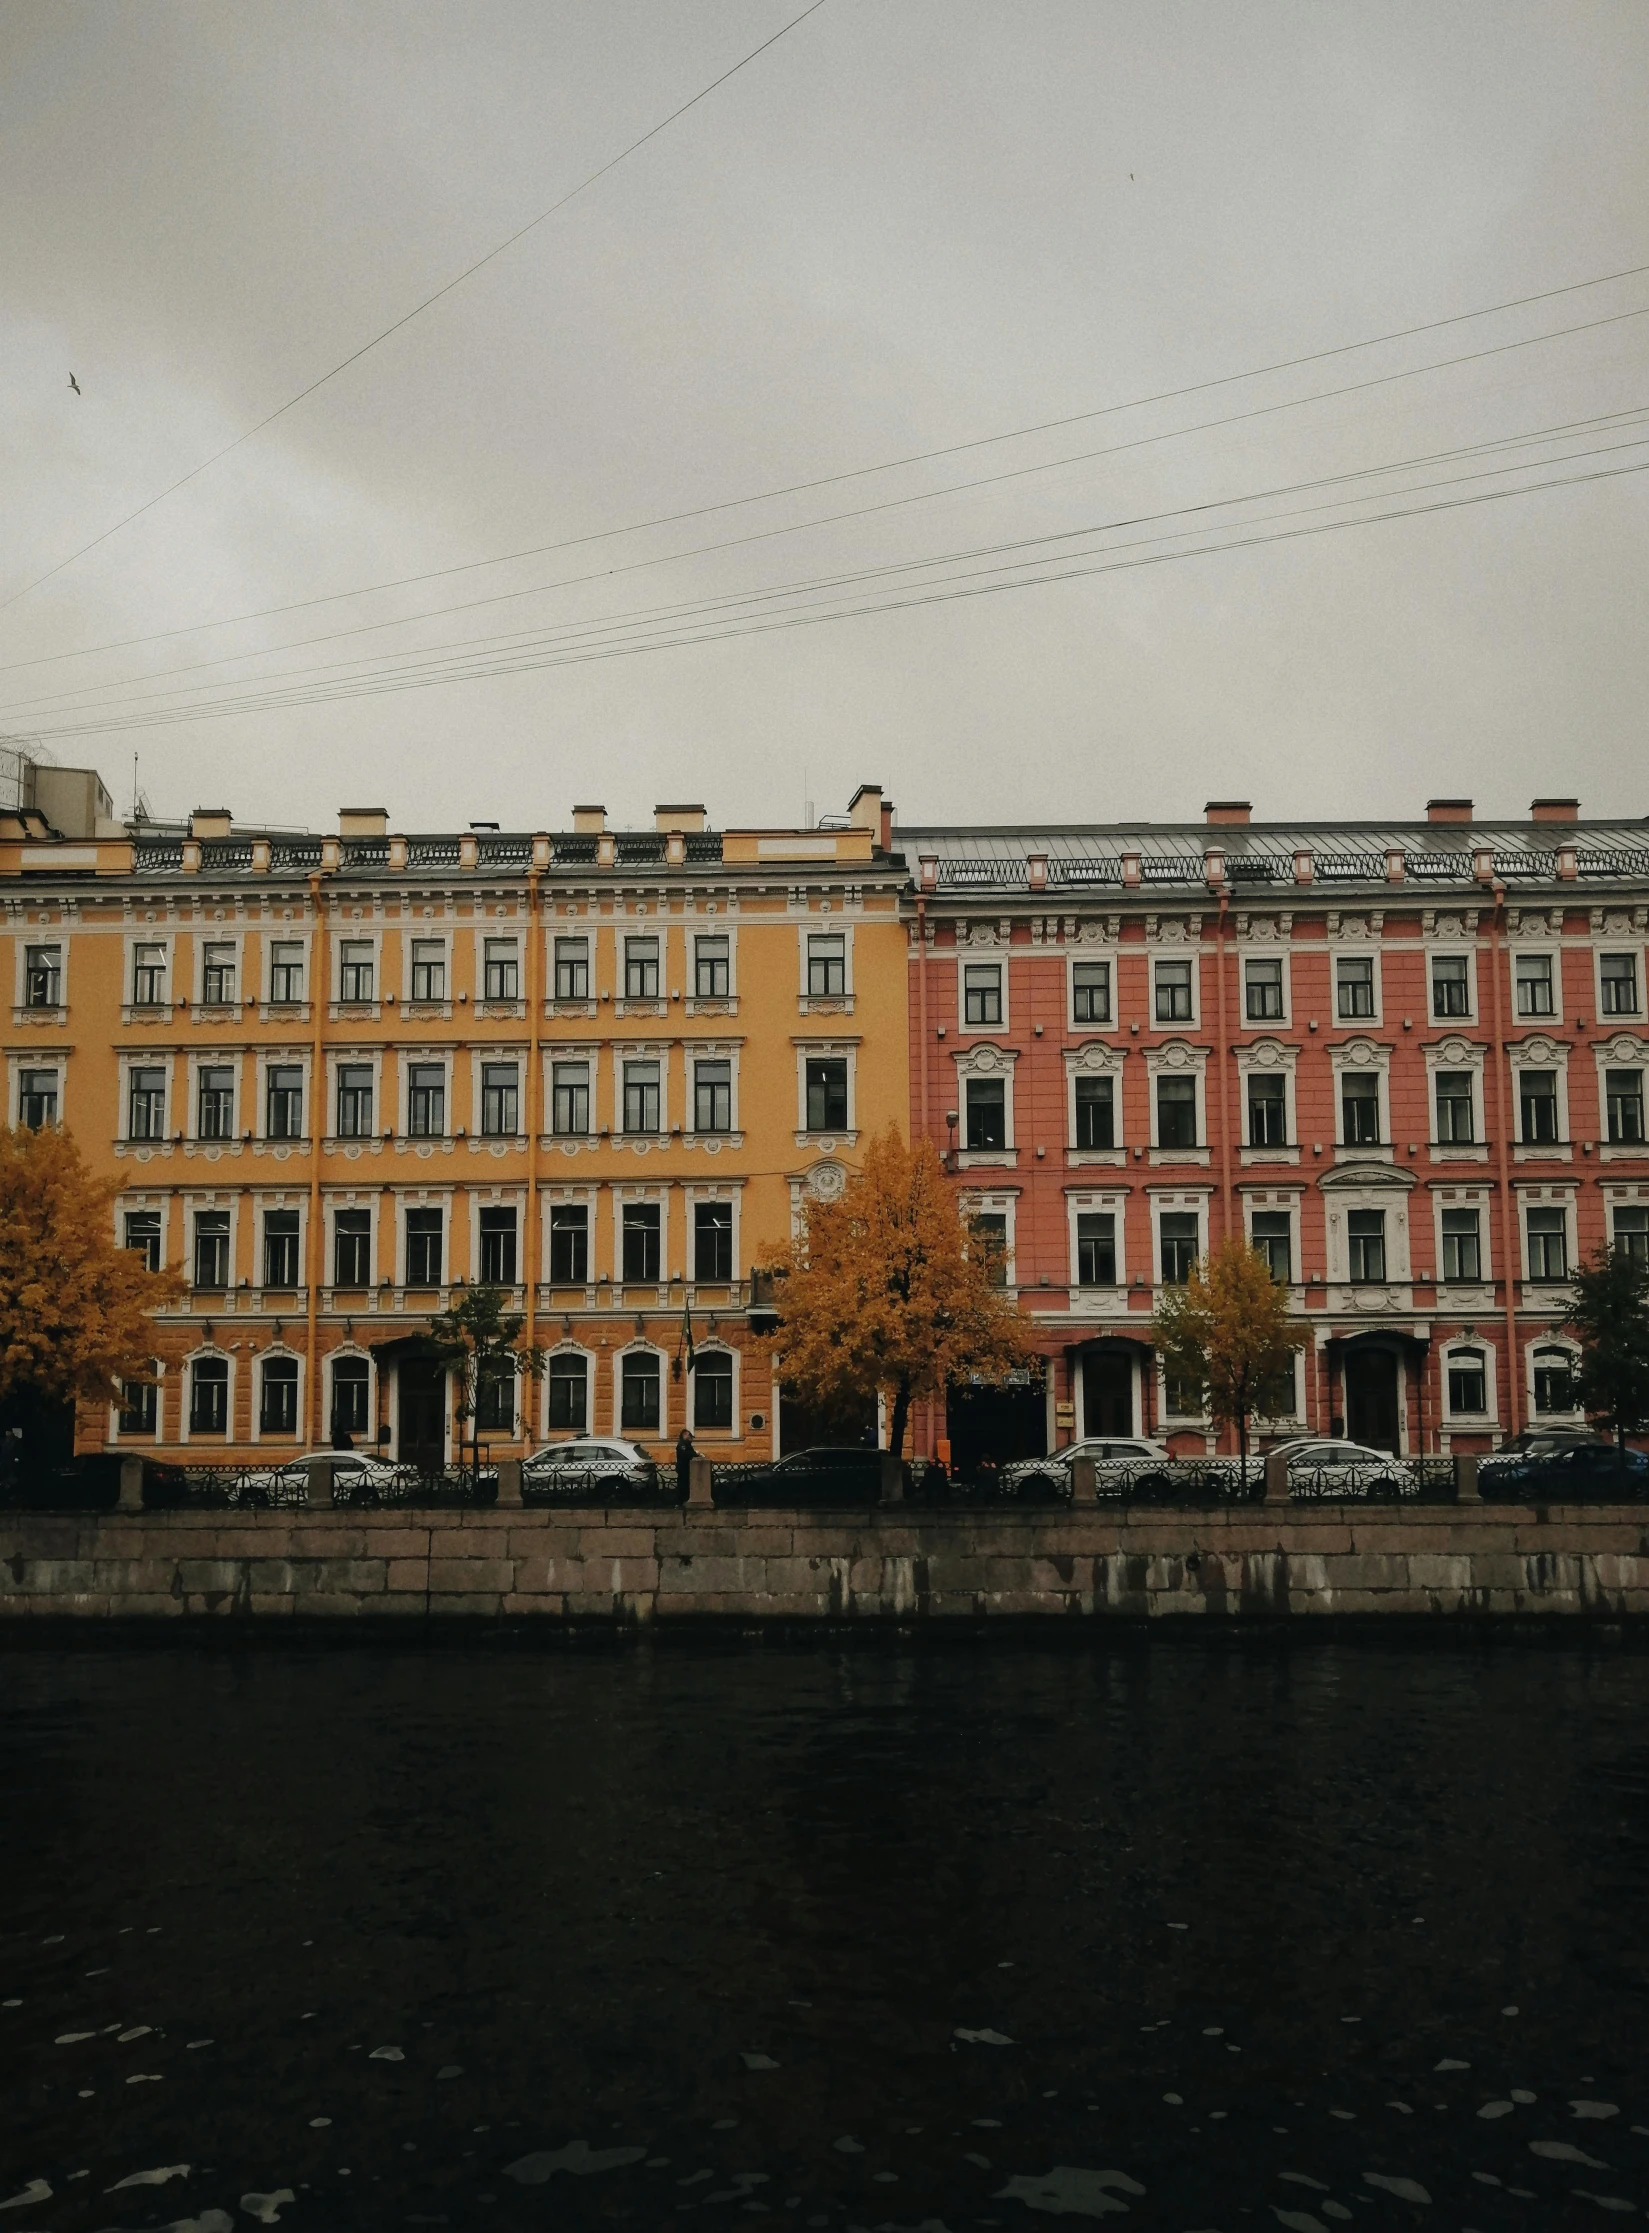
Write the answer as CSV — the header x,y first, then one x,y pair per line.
x,y
816,1477
1584,1473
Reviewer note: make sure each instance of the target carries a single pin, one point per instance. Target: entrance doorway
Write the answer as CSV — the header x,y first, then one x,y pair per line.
x,y
995,1426
1107,1392
1371,1398
421,1413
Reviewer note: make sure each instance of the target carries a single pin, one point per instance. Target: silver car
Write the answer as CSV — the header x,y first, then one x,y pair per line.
x,y
602,1467
1051,1476
1325,1466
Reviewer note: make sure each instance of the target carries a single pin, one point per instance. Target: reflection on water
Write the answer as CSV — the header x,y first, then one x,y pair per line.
x,y
1268,1931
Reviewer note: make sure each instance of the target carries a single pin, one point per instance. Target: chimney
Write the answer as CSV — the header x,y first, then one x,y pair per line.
x,y
1448,810
211,821
1228,810
591,820
363,821
864,809
676,818
1555,810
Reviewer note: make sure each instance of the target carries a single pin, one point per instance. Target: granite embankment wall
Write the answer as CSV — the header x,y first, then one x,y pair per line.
x,y
1258,1563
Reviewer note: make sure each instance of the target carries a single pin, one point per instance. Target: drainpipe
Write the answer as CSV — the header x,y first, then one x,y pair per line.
x,y
1508,1220
319,986
922,1002
1222,1055
529,1222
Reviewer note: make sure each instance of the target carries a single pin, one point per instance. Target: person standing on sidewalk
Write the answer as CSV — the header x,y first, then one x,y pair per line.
x,y
685,1454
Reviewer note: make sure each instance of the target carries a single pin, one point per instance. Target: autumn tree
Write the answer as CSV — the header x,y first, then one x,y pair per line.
x,y
1226,1332
888,1291
479,1337
75,1308
1610,1319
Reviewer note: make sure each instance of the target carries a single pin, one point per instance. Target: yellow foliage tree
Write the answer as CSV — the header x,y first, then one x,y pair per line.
x,y
1226,1332
887,1291
74,1307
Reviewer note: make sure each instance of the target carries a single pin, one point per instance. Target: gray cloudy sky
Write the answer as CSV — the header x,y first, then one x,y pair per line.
x,y
910,224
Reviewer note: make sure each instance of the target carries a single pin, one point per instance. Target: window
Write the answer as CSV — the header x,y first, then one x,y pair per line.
x,y
1091,992
283,1102
1532,974
1619,973
987,1113
1267,1109
217,975
42,976
280,1248
1263,990
427,1101
1548,1244
713,1388
1176,1112
1359,1108
1366,1244
285,972
826,1082
1178,1242
350,1385
352,1248
569,1393
1631,1232
1468,1382
423,1248
141,1234
429,969
638,1392
36,1099
139,1408
501,970
209,1395
1272,1235
1462,1246
278,1396
641,969
1095,1113
826,965
712,1240
1450,985
498,1248
1554,1380
495,1401
500,1100
570,1098
1173,992
712,972
148,976
215,1104
1456,1109
572,969
211,1248
641,1097
354,1101
1354,985
1537,1100
639,1229
990,1237
1182,1395
146,1105
569,1244
982,993
355,970
1096,1249
1623,1097
712,1096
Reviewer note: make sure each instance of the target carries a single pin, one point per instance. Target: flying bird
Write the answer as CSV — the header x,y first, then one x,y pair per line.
x,y
74,383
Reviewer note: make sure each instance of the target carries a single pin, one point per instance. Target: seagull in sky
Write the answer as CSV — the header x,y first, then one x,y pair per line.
x,y
74,383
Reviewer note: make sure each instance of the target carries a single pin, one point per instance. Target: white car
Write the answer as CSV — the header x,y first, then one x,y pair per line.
x,y
594,1464
1032,1478
345,1476
1327,1466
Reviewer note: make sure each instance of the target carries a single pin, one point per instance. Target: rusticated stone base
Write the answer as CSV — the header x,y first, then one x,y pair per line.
x,y
1261,1563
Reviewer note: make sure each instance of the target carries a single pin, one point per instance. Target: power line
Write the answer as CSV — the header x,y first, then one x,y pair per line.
x,y
417,309
827,480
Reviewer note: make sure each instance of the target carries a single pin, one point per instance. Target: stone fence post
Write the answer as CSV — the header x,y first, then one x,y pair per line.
x,y
1276,1477
1084,1481
509,1481
700,1484
1465,1478
893,1478
131,1485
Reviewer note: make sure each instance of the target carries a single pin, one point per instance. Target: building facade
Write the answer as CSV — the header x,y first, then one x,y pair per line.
x,y
338,1077
1408,1062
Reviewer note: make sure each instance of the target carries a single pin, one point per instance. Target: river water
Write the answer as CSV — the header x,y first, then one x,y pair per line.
x,y
1211,1933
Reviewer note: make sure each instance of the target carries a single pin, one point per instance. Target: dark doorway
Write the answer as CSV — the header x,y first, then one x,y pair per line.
x,y
421,1400
1371,1398
1108,1392
994,1426
846,1425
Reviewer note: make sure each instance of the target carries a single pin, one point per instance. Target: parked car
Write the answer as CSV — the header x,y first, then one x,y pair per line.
x,y
344,1476
1544,1442
1332,1467
1039,1480
1591,1472
602,1467
807,1477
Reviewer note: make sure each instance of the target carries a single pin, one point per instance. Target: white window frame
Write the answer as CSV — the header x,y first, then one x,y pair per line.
x,y
638,1346
1469,1422
717,1347
213,1199
41,934
639,1050
981,957
1539,1051
586,1357
1268,1057
357,934
1190,952
1624,1050
1480,1199
1626,943
406,1060
420,1198
984,1060
419,934
623,1196
1437,949
130,1060
829,926
329,1363
1000,1202
731,1192
1531,1348
563,1197
282,1058
354,1198
300,1431
1087,955
186,1383
1265,950
1270,1201
219,934
1559,1197
1176,1201
711,1003
214,1058
159,1437
1394,1201
711,1050
1095,1059
587,1051
817,1050
141,1199
57,1063
1550,950
353,1058
1097,1201
500,931
497,1198
1363,1057
572,927
262,1204
1178,1058
1357,949
287,934
1456,1054
160,1011
498,1143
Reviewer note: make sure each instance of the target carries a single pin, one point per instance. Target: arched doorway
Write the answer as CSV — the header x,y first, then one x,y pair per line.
x,y
1109,1374
1373,1398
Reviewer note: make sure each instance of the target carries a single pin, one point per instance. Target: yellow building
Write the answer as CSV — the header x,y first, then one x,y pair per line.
x,y
337,1076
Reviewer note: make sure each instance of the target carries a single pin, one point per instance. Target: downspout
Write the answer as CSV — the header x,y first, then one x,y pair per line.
x,y
319,983
530,1222
1222,1056
922,1004
1508,1224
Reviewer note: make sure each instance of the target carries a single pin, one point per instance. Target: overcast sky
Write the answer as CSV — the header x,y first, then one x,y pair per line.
x,y
909,224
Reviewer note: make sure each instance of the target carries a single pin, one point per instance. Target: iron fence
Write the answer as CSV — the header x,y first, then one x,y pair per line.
x,y
596,1484
88,1484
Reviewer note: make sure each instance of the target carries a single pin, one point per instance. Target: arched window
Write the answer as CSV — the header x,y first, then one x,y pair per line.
x,y
1554,1380
569,1406
209,1396
1468,1383
713,1388
495,1402
639,1408
140,1404
278,1396
350,1390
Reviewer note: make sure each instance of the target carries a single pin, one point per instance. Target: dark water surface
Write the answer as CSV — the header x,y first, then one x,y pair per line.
x,y
1247,1931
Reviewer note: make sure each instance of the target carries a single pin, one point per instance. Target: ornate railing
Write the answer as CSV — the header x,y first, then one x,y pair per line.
x,y
961,873
495,851
574,850
1172,868
703,845
1395,1480
1084,868
231,855
1538,867
1350,868
1453,868
432,852
1592,860
289,853
157,856
364,852
597,1485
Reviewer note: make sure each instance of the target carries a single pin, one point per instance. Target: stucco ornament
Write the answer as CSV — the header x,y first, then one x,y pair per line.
x,y
827,1182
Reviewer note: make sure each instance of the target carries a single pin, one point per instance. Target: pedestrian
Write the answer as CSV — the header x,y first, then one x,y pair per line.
x,y
685,1454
